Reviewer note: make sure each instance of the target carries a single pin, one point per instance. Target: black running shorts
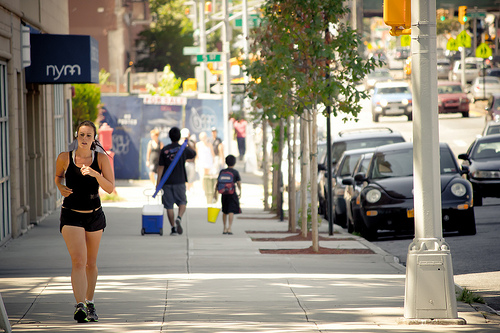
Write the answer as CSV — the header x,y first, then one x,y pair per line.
x,y
93,221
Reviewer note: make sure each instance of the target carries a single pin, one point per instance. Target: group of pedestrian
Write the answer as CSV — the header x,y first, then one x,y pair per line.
x,y
83,170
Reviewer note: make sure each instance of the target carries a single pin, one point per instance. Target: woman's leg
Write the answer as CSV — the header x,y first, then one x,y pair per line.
x,y
93,240
230,223
77,248
224,221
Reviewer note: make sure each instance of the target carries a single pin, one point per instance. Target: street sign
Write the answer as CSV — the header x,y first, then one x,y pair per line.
x,y
236,88
405,40
483,51
190,50
476,15
463,39
451,45
253,21
209,57
216,88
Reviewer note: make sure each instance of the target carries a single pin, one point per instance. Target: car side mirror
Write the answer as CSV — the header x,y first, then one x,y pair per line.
x,y
463,157
348,181
359,178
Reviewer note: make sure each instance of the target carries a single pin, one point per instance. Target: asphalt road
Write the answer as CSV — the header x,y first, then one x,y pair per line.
x,y
475,258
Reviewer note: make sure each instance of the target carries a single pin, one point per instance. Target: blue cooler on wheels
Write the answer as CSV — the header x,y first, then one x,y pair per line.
x,y
152,217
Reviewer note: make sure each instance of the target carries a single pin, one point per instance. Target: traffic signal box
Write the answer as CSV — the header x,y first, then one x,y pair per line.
x,y
462,14
397,15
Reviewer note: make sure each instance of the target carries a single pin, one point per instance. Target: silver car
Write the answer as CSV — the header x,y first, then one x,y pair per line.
x,y
472,70
443,68
483,87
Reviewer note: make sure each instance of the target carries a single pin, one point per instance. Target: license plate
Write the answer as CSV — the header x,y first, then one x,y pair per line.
x,y
410,213
394,110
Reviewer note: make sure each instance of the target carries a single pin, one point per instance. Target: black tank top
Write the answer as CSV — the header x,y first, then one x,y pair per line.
x,y
85,194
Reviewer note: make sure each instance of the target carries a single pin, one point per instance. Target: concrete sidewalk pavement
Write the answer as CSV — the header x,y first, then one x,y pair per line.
x,y
204,281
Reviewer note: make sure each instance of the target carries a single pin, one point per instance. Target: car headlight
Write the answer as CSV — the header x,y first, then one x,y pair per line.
x,y
373,196
405,101
486,174
383,102
464,100
458,189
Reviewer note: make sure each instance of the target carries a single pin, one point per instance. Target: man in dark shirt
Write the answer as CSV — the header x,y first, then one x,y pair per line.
x,y
174,189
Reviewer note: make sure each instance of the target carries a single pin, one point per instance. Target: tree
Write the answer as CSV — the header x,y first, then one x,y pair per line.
x,y
168,85
86,100
162,43
307,60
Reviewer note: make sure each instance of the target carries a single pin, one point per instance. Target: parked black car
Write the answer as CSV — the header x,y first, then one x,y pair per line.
x,y
352,190
386,199
482,164
344,168
347,140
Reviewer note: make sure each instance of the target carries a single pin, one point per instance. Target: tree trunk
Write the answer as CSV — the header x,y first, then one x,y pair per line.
x,y
314,184
265,165
291,177
280,171
304,162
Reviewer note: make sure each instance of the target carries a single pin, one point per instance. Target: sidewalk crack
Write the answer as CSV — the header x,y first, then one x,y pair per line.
x,y
302,307
32,304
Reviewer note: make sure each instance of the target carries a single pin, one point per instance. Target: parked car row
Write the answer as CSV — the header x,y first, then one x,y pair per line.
x,y
372,183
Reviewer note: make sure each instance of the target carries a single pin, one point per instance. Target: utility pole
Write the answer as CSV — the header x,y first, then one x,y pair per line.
x,y
226,99
430,289
203,44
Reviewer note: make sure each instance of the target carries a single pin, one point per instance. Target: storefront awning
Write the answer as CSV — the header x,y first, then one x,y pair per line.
x,y
57,59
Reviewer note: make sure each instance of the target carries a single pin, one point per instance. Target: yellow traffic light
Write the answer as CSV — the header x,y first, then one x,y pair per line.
x,y
397,15
462,14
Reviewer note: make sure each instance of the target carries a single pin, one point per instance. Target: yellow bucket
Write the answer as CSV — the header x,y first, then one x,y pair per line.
x,y
213,213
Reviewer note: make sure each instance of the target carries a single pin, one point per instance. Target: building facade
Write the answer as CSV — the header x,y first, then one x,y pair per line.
x,y
35,119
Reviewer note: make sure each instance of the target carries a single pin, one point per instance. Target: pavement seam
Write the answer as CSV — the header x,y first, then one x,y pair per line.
x,y
31,305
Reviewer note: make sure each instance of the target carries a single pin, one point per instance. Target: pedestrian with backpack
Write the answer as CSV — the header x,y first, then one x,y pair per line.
x,y
228,180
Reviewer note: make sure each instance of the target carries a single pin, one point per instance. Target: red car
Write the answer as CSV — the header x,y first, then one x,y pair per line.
x,y
452,99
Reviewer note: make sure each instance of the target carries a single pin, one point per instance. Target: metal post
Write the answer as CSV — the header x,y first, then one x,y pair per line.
x,y
462,62
226,99
429,289
474,33
329,193
203,44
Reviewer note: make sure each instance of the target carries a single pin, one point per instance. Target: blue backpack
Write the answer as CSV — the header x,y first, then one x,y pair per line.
x,y
225,182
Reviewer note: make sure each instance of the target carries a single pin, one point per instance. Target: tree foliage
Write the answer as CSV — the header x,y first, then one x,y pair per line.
x,y
162,43
306,56
85,103
168,85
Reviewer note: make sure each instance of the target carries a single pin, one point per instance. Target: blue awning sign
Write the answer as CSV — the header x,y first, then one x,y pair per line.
x,y
57,59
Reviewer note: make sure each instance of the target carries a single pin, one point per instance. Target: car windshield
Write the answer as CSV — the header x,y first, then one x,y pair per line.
x,y
349,164
486,150
451,89
493,129
340,147
399,163
393,90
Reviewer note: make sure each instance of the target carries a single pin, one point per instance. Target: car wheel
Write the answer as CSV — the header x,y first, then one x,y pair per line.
x,y
465,114
468,226
410,116
478,199
375,117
